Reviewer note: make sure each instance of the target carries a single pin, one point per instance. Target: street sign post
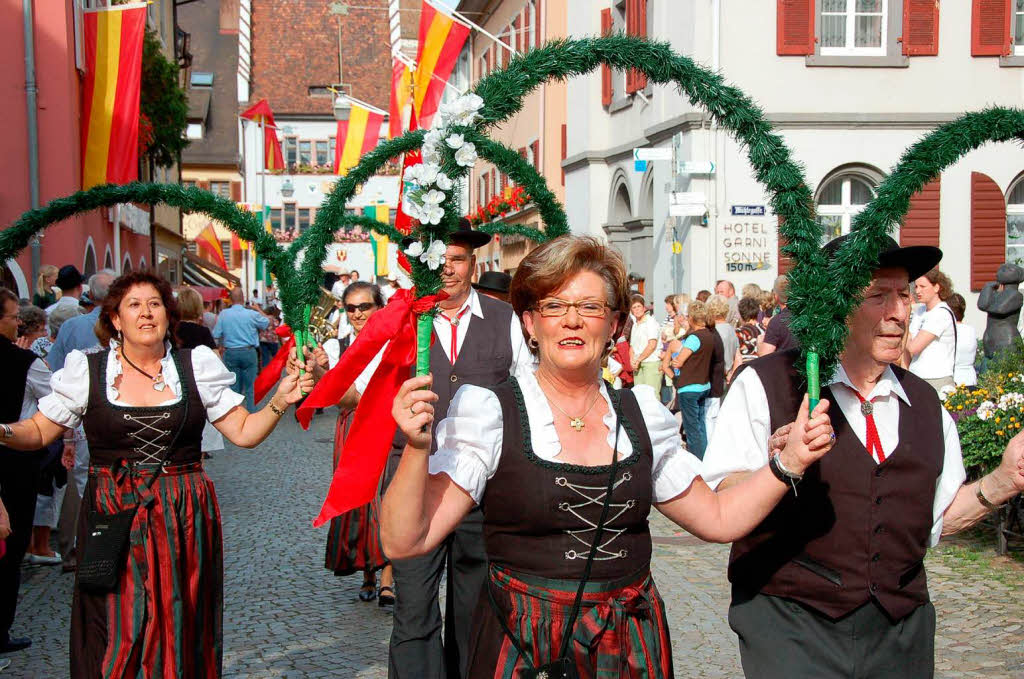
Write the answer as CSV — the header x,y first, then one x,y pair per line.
x,y
652,153
687,204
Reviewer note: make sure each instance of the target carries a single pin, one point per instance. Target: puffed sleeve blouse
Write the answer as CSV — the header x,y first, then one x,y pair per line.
x,y
69,399
469,439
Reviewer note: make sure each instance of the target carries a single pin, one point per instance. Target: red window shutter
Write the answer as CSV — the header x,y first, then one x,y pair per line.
x,y
784,262
921,223
921,28
631,24
205,186
640,30
606,71
565,150
988,229
514,28
794,30
236,191
990,27
536,154
537,9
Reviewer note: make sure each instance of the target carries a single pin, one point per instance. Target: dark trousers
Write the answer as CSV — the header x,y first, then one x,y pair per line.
x,y
782,639
19,476
245,364
692,406
267,352
416,650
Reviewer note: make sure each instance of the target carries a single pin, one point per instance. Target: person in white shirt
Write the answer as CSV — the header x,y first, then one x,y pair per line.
x,y
964,373
70,281
842,556
644,340
932,348
338,289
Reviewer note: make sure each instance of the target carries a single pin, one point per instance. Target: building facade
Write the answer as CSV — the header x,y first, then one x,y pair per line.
x,y
849,85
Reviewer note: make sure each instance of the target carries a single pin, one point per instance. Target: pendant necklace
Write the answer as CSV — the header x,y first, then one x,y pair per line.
x,y
158,379
574,422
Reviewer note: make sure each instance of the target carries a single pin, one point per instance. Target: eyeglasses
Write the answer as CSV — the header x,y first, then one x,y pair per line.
x,y
364,307
590,308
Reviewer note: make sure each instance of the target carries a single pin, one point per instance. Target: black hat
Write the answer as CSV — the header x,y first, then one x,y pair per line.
x,y
464,234
916,259
494,281
68,277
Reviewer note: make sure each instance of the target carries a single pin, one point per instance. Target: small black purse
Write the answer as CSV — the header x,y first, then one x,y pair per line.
x,y
108,535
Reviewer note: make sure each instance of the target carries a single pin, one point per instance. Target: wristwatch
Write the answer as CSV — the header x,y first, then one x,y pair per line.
x,y
783,474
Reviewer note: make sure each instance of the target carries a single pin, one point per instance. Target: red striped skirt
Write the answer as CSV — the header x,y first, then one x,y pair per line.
x,y
353,538
621,630
164,619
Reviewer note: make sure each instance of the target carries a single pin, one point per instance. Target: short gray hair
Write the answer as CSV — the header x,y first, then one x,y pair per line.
x,y
99,285
60,314
32,317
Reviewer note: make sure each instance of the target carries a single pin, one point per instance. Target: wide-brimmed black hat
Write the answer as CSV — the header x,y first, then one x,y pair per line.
x,y
69,277
916,259
464,234
493,281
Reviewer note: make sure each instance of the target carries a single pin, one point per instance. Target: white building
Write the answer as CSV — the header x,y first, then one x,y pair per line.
x,y
837,84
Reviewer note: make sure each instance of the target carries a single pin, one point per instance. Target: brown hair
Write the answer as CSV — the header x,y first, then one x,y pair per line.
x,y
958,305
190,304
7,296
936,277
120,287
550,266
703,295
698,312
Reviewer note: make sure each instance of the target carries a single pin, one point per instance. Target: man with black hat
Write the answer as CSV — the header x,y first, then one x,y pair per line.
x,y
832,583
69,280
477,340
494,284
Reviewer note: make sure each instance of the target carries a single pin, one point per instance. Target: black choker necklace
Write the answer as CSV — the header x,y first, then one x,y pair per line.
x,y
158,379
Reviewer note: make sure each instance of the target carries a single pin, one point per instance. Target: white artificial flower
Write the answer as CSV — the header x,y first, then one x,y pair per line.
x,y
415,249
471,102
433,197
455,141
427,173
431,154
434,256
431,214
412,174
443,182
466,155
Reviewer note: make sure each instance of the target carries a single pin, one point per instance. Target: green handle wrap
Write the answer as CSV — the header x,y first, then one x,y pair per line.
x,y
424,330
813,380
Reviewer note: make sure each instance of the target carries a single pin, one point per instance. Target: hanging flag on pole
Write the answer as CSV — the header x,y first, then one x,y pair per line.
x,y
440,41
357,136
273,158
112,39
401,92
378,242
208,244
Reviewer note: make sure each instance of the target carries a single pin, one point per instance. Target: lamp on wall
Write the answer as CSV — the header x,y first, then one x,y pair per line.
x,y
287,188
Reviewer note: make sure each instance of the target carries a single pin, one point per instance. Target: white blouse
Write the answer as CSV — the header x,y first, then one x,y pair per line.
x,y
69,399
469,440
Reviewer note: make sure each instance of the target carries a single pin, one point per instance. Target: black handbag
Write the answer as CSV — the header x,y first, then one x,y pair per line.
x,y
564,667
108,535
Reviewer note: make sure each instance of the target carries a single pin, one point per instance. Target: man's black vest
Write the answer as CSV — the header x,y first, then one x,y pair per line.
x,y
856,530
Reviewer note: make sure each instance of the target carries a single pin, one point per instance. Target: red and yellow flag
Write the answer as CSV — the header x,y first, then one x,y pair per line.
x,y
401,92
110,96
441,39
356,136
208,244
273,158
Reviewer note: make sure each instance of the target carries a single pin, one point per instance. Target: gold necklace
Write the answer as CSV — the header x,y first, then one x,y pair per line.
x,y
574,422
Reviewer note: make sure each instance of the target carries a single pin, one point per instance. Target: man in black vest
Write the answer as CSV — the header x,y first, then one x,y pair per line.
x,y
832,583
479,341
26,380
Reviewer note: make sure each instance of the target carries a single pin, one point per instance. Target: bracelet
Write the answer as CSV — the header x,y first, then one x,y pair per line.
x,y
277,411
783,474
985,501
8,432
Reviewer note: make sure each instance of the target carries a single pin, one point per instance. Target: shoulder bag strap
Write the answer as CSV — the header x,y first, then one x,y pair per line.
x,y
955,338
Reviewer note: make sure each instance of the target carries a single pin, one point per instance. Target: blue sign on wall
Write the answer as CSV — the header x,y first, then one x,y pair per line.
x,y
747,210
640,165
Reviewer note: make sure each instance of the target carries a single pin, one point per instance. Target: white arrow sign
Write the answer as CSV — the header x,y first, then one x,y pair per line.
x,y
652,154
696,167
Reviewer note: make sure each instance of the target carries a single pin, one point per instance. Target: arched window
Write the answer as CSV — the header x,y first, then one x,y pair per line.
x,y
108,259
1015,223
126,266
89,264
622,211
840,198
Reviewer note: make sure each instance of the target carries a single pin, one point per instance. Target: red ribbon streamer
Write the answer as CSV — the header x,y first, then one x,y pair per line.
x,y
369,440
269,376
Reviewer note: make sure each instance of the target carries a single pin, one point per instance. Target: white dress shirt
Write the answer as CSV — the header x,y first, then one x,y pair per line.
x,y
469,440
70,397
743,444
37,385
522,359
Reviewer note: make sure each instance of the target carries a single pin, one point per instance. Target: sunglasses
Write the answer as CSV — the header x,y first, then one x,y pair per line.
x,y
364,307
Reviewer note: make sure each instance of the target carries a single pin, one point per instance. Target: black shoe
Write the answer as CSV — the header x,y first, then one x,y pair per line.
x,y
368,592
385,597
15,644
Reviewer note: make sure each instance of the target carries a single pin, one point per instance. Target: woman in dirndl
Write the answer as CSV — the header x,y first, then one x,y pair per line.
x,y
536,453
142,401
353,538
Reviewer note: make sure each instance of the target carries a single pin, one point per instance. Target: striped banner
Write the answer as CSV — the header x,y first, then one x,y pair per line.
x,y
401,92
208,244
261,114
440,41
357,136
378,242
110,95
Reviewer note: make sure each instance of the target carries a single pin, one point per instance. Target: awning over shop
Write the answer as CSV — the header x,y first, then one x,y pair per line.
x,y
201,274
210,294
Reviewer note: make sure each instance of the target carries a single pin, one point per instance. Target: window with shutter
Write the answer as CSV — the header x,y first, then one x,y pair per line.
x,y
236,191
1017,26
535,16
990,27
1015,224
988,229
921,223
606,71
920,28
636,24
794,31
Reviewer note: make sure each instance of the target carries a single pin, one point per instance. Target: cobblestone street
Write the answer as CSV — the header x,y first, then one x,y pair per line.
x,y
286,616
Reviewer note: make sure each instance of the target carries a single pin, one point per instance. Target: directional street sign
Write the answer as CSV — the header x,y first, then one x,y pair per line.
x,y
664,153
695,167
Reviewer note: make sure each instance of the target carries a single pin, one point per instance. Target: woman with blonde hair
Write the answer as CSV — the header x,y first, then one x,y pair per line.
x,y
751,290
933,337
47,279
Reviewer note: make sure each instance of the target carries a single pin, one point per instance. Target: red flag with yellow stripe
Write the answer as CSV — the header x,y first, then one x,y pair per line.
x,y
260,113
440,42
112,39
401,92
357,136
208,244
